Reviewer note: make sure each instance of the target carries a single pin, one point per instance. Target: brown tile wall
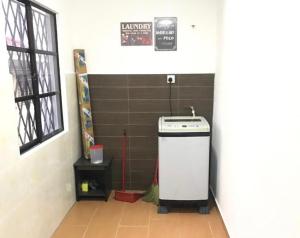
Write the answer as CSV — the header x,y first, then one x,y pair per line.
x,y
134,103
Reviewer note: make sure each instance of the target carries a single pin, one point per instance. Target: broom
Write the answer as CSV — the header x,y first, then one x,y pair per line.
x,y
152,195
123,195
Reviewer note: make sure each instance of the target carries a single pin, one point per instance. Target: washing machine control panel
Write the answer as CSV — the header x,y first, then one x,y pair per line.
x,y
183,124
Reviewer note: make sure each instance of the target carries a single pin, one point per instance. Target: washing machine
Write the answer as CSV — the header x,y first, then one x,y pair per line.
x,y
183,148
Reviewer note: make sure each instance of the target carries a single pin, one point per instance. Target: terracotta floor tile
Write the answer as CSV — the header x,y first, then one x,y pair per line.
x,y
115,219
216,224
171,216
164,229
101,231
65,231
219,232
108,213
214,211
136,214
81,213
194,225
132,232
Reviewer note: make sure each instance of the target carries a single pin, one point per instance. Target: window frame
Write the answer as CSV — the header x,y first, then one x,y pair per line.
x,y
36,95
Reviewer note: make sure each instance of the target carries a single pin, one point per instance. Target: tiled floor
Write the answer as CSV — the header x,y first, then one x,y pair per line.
x,y
114,219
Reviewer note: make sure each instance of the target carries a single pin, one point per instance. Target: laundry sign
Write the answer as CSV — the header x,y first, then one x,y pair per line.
x,y
165,33
136,33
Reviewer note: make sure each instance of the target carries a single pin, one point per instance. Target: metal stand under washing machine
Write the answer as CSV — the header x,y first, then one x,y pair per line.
x,y
183,147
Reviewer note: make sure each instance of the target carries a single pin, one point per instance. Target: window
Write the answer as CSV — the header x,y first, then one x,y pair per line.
x,y
33,63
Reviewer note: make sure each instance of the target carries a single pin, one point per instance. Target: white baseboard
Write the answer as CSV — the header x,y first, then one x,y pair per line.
x,y
220,210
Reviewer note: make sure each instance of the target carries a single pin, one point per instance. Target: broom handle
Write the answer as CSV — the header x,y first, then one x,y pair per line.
x,y
124,144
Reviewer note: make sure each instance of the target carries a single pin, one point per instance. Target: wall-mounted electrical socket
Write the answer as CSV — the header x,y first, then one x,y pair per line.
x,y
171,78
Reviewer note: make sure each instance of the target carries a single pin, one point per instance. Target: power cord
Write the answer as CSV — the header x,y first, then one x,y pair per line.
x,y
170,96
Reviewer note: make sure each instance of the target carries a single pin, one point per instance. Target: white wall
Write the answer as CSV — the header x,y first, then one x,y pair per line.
x,y
96,28
37,188
256,156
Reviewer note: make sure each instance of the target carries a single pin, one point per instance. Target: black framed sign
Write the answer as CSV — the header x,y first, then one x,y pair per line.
x,y
136,33
165,33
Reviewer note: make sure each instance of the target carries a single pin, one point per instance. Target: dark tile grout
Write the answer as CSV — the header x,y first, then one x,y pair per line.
x,y
157,82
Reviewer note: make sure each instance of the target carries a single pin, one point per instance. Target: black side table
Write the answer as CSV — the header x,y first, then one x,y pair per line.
x,y
98,177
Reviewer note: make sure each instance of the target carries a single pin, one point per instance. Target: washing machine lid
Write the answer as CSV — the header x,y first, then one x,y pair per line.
x,y
183,124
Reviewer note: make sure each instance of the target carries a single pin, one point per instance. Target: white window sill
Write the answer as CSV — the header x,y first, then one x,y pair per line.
x,y
38,147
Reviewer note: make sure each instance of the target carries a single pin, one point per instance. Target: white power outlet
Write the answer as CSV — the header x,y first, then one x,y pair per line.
x,y
171,78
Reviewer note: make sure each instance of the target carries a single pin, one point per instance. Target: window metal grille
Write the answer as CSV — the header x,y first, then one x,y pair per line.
x,y
33,63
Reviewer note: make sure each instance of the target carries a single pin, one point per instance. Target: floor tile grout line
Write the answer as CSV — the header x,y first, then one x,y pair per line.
x,y
145,229
131,226
211,231
148,229
87,227
119,223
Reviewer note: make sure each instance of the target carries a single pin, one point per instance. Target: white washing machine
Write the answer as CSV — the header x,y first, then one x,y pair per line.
x,y
183,148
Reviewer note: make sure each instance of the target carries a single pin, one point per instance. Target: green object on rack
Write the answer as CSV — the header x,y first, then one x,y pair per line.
x,y
85,187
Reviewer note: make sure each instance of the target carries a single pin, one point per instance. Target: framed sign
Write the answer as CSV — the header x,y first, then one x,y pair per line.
x,y
165,33
136,33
